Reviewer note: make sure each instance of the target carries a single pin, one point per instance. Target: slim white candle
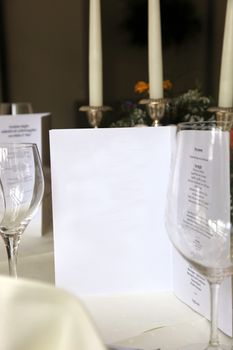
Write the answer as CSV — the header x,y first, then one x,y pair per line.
x,y
95,56
226,75
155,50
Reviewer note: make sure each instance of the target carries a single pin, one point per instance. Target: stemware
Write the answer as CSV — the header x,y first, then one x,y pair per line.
x,y
15,108
23,187
199,210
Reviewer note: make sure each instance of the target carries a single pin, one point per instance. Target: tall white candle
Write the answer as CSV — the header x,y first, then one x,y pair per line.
x,y
226,75
95,55
155,50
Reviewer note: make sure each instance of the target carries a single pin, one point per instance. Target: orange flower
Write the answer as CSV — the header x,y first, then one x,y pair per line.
x,y
141,86
167,85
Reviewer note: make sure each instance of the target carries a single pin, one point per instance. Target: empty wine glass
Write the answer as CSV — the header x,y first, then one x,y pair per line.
x,y
15,108
199,210
23,186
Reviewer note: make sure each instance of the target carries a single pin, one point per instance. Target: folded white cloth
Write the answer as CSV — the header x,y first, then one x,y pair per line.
x,y
41,317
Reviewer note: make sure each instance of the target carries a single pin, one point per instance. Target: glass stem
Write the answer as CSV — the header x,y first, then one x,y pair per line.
x,y
214,295
12,243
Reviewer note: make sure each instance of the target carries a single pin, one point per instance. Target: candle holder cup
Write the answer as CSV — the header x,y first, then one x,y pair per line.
x,y
95,114
155,108
224,115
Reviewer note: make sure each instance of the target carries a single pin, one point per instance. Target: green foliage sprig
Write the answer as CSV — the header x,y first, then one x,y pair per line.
x,y
189,106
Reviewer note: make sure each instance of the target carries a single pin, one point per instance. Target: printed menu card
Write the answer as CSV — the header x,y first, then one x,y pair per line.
x,y
203,214
109,192
32,128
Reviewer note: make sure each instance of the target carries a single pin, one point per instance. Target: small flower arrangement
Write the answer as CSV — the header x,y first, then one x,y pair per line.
x,y
189,106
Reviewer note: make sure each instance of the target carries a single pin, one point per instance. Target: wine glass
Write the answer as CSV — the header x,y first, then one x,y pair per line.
x,y
23,187
15,108
199,209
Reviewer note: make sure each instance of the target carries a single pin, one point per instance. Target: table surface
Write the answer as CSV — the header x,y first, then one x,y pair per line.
x,y
141,321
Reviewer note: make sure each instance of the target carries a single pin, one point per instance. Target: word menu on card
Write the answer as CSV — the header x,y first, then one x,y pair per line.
x,y
109,191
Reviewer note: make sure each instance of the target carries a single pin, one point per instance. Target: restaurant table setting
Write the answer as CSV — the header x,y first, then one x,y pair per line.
x,y
125,228
123,273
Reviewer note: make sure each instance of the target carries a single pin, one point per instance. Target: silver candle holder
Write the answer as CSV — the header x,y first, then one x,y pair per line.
x,y
224,115
155,108
95,114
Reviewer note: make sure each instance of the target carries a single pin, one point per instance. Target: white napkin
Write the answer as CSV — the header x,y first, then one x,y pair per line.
x,y
36,316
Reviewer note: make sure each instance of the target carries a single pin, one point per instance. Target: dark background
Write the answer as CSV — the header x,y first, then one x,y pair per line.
x,y
44,51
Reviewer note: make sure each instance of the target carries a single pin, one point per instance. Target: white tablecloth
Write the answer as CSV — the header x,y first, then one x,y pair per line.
x,y
149,321
142,321
35,259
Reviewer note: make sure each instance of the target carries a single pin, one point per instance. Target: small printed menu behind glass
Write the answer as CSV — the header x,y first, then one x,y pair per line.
x,y
31,128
